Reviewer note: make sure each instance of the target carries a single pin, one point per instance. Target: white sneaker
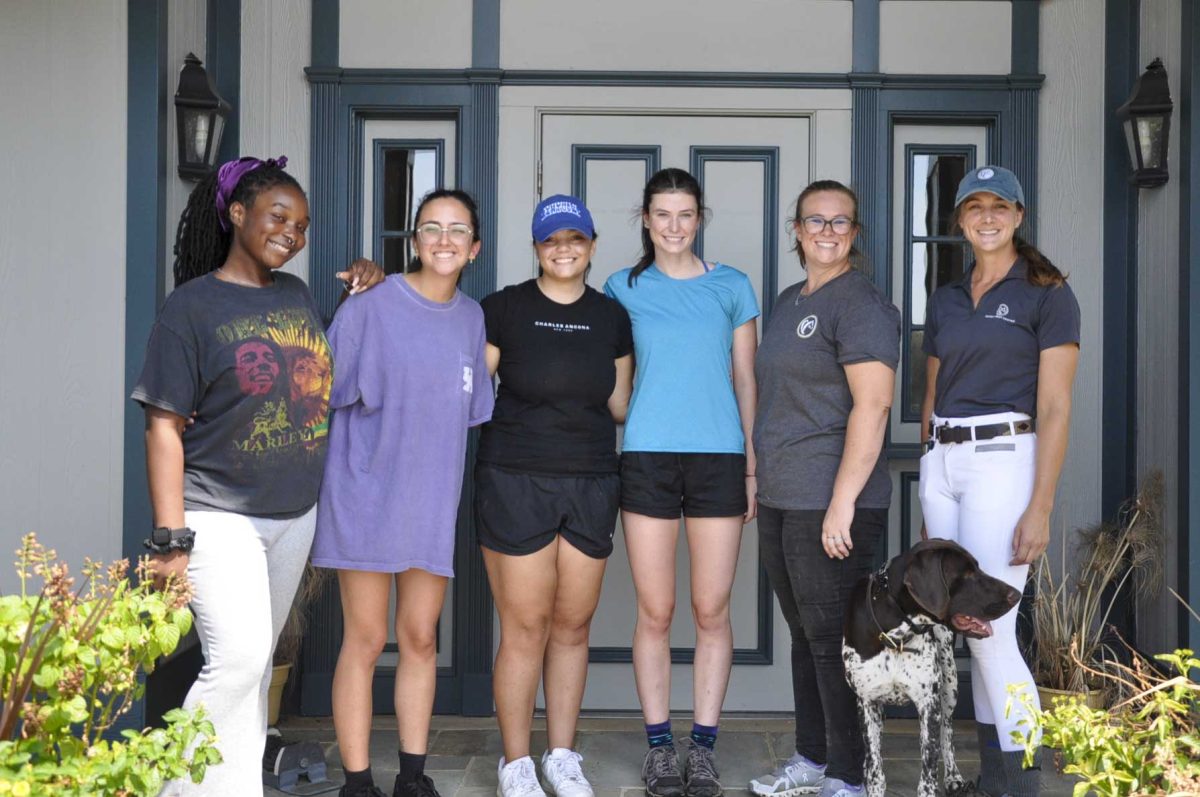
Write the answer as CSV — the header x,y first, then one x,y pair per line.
x,y
796,776
518,779
563,775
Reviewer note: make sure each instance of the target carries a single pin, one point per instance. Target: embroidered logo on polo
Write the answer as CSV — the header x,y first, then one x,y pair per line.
x,y
807,326
1001,314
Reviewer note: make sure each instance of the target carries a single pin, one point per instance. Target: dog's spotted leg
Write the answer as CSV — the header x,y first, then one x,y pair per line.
x,y
949,699
929,713
870,717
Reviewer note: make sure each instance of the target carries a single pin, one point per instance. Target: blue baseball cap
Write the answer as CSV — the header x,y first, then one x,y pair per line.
x,y
992,180
561,212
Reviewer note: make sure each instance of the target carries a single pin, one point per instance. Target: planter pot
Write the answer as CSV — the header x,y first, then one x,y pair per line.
x,y
279,676
1092,698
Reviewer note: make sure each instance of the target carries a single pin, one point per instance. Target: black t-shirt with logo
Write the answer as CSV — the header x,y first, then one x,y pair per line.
x,y
254,366
804,398
556,375
989,355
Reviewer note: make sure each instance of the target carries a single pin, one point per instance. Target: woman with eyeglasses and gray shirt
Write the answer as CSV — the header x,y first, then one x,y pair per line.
x,y
826,370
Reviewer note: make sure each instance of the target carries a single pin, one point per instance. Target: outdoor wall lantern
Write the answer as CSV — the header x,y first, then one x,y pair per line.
x,y
200,115
1146,118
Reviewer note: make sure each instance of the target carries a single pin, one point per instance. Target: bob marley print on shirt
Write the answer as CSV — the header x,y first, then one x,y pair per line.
x,y
254,366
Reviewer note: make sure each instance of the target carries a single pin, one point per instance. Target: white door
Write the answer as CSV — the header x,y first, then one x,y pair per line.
x,y
752,168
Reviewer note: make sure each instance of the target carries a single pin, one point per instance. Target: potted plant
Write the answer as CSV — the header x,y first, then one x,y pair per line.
x,y
71,659
1147,744
287,648
1075,598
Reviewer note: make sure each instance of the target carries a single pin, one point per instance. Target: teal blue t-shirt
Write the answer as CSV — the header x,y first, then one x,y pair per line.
x,y
683,400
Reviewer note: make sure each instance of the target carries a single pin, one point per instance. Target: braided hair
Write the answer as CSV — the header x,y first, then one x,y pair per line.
x,y
201,243
664,181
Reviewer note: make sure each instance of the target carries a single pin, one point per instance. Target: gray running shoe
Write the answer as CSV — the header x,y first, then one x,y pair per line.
x,y
700,771
832,787
660,771
795,776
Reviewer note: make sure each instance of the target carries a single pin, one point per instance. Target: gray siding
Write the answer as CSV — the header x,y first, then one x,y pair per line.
x,y
1070,216
1158,323
62,276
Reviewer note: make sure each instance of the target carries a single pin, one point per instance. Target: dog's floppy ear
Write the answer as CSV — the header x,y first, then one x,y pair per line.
x,y
925,582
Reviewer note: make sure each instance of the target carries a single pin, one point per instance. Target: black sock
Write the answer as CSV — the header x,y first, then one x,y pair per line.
x,y
358,781
659,734
992,780
705,735
412,766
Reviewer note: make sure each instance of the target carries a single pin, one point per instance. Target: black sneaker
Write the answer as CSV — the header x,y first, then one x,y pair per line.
x,y
660,771
700,771
370,791
421,787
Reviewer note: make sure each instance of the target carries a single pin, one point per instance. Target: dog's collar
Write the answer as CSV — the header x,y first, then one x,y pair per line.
x,y
878,590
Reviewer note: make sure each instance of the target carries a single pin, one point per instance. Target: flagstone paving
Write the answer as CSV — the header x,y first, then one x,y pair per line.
x,y
463,752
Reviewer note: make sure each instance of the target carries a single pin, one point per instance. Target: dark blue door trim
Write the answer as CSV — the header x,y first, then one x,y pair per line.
x,y
1119,411
1189,260
224,63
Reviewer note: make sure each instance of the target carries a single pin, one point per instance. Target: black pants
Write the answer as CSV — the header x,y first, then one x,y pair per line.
x,y
812,590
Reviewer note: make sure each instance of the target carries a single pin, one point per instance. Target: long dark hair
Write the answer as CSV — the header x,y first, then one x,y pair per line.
x,y
459,196
1041,271
664,181
816,187
201,244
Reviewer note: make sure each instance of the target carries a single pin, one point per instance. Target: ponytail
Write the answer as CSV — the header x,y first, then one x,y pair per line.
x,y
1042,272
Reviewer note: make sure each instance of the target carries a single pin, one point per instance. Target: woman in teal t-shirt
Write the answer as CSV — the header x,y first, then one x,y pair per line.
x,y
687,451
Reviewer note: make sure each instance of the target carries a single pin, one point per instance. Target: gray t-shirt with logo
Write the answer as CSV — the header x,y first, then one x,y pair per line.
x,y
804,399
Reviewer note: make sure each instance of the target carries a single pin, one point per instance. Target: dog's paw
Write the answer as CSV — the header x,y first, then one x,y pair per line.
x,y
957,787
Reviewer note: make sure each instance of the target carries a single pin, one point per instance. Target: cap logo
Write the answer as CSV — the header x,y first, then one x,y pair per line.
x,y
554,208
807,327
985,174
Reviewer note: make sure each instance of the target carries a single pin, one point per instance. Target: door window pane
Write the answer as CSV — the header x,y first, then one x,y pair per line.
x,y
935,179
397,253
408,175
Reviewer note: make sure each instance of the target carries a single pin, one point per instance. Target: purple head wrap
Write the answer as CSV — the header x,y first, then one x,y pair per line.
x,y
228,176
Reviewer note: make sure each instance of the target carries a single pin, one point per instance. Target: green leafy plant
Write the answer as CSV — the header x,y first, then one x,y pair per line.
x,y
71,660
1074,599
1148,744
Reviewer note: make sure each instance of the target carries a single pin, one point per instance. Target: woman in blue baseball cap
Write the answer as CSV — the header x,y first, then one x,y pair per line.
x,y
1003,345
546,487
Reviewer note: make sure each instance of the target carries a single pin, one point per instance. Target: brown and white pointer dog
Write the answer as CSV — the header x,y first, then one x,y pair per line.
x,y
898,648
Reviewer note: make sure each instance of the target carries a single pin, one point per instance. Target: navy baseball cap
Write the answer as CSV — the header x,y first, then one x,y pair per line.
x,y
561,212
992,180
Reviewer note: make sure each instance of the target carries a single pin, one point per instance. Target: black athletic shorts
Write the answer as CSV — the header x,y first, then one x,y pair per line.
x,y
694,485
520,513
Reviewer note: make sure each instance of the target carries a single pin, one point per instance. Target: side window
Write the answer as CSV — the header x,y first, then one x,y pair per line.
x,y
936,251
405,172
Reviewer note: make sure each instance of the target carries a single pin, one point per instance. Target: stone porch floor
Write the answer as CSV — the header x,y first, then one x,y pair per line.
x,y
464,750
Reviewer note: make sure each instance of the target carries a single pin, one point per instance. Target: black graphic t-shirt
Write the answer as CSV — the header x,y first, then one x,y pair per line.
x,y
556,375
254,366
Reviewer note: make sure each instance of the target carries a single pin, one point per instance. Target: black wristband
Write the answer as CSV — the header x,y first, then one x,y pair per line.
x,y
163,540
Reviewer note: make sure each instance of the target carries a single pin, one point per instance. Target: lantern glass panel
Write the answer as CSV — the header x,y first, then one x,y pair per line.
x,y
1131,143
1149,135
218,123
195,135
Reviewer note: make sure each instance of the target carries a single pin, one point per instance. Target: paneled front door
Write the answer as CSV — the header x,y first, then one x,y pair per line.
x,y
751,168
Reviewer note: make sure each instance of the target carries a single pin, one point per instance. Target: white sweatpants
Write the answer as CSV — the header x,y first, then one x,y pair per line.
x,y
244,573
974,493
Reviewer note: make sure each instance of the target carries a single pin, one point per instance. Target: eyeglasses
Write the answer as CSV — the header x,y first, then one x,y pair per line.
x,y
814,225
431,232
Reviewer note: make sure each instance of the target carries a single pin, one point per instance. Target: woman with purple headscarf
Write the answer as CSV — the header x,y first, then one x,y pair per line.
x,y
234,498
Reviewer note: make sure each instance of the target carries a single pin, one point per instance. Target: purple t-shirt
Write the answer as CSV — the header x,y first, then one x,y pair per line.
x,y
410,379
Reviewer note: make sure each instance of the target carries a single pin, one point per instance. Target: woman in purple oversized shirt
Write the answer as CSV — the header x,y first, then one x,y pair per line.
x,y
411,379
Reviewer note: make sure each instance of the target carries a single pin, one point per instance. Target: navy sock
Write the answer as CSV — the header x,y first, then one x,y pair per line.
x,y
705,735
358,781
659,734
411,766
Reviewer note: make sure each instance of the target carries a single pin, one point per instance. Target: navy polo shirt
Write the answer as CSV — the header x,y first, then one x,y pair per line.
x,y
989,354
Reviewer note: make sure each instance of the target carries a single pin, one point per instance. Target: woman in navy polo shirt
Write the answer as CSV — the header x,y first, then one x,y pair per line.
x,y
1003,345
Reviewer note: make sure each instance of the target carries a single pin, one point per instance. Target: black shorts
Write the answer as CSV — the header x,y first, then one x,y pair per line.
x,y
694,485
520,513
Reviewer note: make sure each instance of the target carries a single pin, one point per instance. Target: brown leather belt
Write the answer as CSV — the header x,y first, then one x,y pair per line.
x,y
965,434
